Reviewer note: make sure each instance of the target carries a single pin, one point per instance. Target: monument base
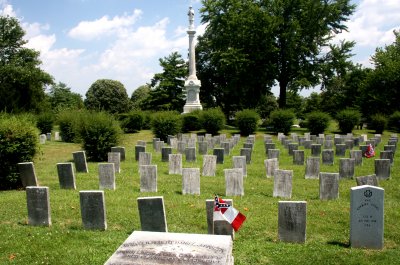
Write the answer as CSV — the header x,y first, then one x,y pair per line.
x,y
191,107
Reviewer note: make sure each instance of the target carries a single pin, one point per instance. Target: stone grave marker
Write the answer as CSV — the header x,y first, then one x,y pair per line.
x,y
240,162
307,135
320,141
367,180
191,181
315,150
181,147
210,213
175,164
328,186
210,144
273,153
328,144
27,174
57,136
93,209
165,152
329,137
38,204
119,149
292,221
298,157
328,157
357,156
234,182
338,140
307,144
141,142
107,176
42,139
248,145
340,150
145,159
139,149
366,217
226,147
200,138
223,227
191,142
155,140
66,175
48,136
312,168
115,158
152,214
346,168
363,149
387,155
382,168
148,178
269,146
219,153
283,183
80,161
349,144
390,148
209,165
158,146
271,165
247,153
174,143
190,154
203,148
147,248
292,147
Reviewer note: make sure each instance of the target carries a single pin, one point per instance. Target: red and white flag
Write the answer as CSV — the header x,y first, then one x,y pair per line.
x,y
370,152
230,214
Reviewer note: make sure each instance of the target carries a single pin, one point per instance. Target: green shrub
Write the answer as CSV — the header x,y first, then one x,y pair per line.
x,y
378,122
18,143
133,121
69,122
212,120
317,122
147,120
247,121
347,119
394,121
45,122
191,121
99,132
165,123
281,120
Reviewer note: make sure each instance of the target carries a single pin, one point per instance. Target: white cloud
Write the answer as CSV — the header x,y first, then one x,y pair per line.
x,y
6,9
89,30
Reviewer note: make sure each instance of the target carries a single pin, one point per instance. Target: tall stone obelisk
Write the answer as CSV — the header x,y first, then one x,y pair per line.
x,y
192,84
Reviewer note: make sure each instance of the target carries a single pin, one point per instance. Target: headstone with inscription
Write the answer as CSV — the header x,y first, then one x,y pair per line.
x,y
271,165
209,165
165,152
387,155
234,182
190,154
366,217
93,209
80,161
138,150
27,174
315,150
175,164
148,178
203,148
240,162
119,149
292,147
247,153
283,183
292,221
38,204
312,168
219,153
115,158
367,180
357,156
107,176
328,157
382,168
191,181
66,175
42,138
152,214
181,147
298,157
340,150
273,153
346,168
328,186
145,159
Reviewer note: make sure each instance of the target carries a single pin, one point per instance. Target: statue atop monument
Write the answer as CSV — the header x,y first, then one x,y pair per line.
x,y
191,18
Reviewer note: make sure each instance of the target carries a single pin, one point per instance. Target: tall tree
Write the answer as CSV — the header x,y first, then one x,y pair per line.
x,y
139,96
61,97
268,41
22,82
166,91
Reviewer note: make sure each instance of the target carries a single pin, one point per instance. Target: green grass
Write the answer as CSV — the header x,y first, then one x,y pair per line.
x,y
66,242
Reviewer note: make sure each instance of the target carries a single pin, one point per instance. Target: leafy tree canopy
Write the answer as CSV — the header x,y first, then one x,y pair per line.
x,y
139,96
61,97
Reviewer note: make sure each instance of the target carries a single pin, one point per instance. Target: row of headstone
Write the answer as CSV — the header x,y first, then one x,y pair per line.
x,y
47,137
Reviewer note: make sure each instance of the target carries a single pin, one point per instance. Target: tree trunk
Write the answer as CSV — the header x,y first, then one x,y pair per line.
x,y
282,93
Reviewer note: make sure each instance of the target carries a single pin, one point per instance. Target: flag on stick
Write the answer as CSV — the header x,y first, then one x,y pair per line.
x,y
370,152
230,214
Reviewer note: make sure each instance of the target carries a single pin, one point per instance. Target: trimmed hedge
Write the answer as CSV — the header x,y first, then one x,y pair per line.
x,y
394,121
45,122
18,143
378,122
347,119
191,121
132,122
281,120
212,120
317,122
247,121
165,123
69,122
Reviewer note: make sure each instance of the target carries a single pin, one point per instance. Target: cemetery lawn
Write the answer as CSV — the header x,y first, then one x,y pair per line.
x,y
66,242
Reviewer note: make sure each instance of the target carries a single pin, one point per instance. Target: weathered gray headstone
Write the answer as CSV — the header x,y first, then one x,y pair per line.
x,y
307,144
119,149
191,142
223,227
211,215
292,221
145,158
349,144
66,175
328,144
107,176
191,181
147,248
142,143
292,147
240,162
48,136
148,178
42,138
38,204
139,149
328,157
312,168
273,153
357,156
320,141
165,152
93,209
190,154
363,149
226,147
346,168
155,140
27,174
298,157
209,165
366,217
271,165
181,147
382,168
175,164
57,136
219,153
338,140
234,182
115,158
80,161
174,143
367,180
283,183
203,148
328,186
152,214
247,153
387,155
301,140
269,146
340,150
315,150
158,146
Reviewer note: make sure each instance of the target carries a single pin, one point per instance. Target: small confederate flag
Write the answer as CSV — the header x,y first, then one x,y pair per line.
x,y
230,214
370,151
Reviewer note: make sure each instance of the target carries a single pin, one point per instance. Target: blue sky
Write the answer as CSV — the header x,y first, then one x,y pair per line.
x,y
84,40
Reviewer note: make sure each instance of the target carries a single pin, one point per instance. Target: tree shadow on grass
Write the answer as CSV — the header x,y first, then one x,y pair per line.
x,y
339,244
